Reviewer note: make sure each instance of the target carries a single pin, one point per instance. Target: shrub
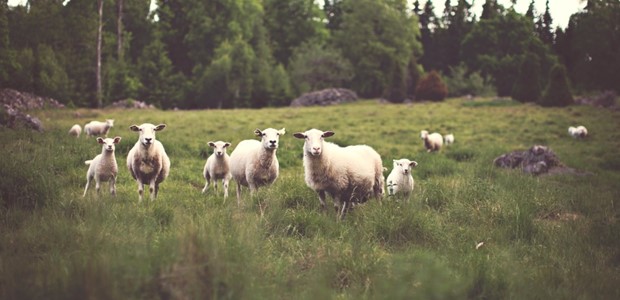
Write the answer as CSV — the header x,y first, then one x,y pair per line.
x,y
431,87
557,92
461,83
527,86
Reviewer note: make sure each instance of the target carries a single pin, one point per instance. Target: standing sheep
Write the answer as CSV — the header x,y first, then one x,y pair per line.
x,y
578,132
253,163
432,142
217,167
103,167
147,161
349,175
400,180
75,130
448,139
95,128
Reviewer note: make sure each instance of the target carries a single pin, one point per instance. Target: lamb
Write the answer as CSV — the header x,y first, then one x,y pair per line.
x,y
432,142
400,181
218,167
578,132
348,174
147,161
254,164
75,130
103,167
448,139
95,128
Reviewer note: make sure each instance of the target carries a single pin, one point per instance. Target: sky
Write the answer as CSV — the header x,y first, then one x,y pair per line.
x,y
561,10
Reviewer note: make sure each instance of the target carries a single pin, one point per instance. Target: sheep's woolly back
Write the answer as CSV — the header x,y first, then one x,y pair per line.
x,y
95,128
75,130
433,141
448,139
251,162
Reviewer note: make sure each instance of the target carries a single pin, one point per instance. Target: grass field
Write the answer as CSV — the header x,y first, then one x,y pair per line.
x,y
548,237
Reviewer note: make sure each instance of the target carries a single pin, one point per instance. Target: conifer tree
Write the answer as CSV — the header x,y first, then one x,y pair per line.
x,y
527,86
557,92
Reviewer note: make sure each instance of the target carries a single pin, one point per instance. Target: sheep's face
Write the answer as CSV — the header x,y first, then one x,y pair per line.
x,y
270,137
108,143
109,122
313,140
404,165
219,147
147,132
423,134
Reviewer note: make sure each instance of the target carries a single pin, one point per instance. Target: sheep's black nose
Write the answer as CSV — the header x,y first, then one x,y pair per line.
x,y
273,142
148,139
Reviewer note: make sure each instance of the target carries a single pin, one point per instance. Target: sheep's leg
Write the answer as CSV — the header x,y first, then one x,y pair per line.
x,y
140,190
215,186
97,186
86,188
153,190
322,199
238,194
343,211
207,181
225,187
113,186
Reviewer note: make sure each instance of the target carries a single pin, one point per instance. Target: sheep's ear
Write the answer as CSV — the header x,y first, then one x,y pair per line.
x,y
100,140
413,164
282,131
299,135
117,139
226,144
134,128
211,144
257,132
160,127
327,134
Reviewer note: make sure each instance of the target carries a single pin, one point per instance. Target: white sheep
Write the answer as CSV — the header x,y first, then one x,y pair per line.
x,y
103,167
253,163
432,142
400,181
448,139
147,161
348,174
217,167
75,130
95,128
578,132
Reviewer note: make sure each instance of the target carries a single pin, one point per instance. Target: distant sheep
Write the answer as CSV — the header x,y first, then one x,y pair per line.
x,y
400,181
96,128
432,142
75,130
578,132
448,139
254,164
147,161
103,167
217,167
349,175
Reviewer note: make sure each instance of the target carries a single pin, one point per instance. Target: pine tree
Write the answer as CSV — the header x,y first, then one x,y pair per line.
x,y
531,11
557,92
527,85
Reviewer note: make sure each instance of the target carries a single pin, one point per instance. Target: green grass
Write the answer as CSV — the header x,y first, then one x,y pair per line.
x,y
552,237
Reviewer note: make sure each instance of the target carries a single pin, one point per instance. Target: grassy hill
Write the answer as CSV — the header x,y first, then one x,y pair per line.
x,y
551,237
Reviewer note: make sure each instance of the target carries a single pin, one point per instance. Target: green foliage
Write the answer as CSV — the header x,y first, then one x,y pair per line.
x,y
557,92
461,82
431,87
527,86
314,67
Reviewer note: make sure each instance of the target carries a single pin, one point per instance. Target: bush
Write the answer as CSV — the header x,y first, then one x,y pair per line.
x,y
557,92
431,87
527,86
460,83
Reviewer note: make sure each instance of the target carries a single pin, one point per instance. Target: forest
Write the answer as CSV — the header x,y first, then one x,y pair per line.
x,y
195,54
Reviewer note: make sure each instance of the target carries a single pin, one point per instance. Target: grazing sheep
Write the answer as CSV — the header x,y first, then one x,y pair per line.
x,y
578,132
218,167
448,139
103,167
253,163
349,175
95,128
147,161
432,142
75,130
400,180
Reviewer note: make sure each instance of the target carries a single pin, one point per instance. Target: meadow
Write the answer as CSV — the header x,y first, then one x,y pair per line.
x,y
546,237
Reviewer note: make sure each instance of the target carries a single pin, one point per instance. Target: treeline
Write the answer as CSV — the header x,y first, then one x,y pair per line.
x,y
256,53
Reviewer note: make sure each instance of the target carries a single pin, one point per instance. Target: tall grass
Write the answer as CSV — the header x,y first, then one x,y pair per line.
x,y
469,230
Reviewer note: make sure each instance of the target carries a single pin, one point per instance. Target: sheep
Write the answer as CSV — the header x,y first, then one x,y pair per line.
x,y
103,167
218,167
348,174
448,139
75,130
578,132
95,128
254,164
147,161
432,142
400,180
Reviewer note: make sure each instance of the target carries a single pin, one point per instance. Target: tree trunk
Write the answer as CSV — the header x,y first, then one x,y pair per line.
x,y
99,29
119,31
